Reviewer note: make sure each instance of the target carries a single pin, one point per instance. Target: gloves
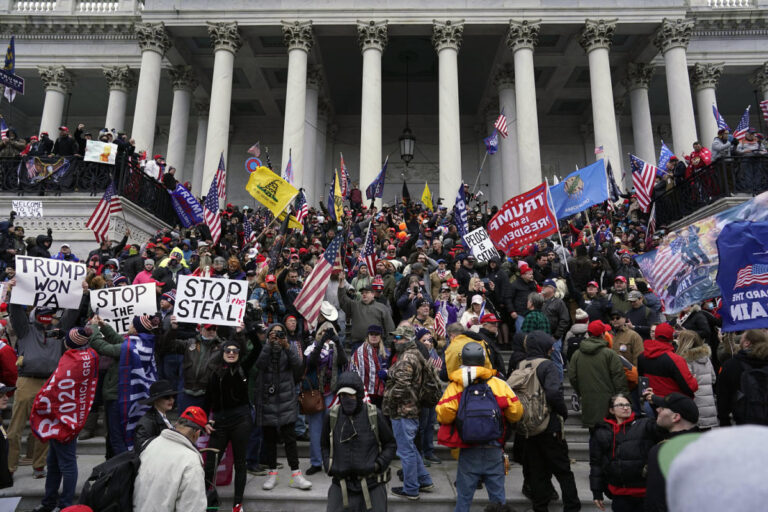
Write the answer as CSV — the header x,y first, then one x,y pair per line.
x,y
382,374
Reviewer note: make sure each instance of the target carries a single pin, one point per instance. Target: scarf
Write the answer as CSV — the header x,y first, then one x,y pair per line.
x,y
367,363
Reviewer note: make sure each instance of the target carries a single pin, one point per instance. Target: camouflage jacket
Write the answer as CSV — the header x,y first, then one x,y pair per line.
x,y
403,381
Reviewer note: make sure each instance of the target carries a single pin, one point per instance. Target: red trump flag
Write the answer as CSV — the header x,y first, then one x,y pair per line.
x,y
523,220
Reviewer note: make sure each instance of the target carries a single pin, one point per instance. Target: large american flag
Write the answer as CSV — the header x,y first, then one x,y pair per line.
x,y
221,179
743,126
643,176
368,254
440,325
99,221
721,124
308,301
764,109
344,176
751,274
211,212
501,125
301,207
248,235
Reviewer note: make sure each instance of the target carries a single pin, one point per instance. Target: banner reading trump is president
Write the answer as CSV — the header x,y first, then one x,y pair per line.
x,y
523,220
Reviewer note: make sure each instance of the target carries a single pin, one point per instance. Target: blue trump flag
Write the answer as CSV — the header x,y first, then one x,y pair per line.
x,y
460,212
187,207
742,249
492,142
664,155
136,373
580,190
376,188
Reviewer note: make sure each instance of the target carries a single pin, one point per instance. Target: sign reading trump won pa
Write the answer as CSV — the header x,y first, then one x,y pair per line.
x,y
205,300
118,305
48,283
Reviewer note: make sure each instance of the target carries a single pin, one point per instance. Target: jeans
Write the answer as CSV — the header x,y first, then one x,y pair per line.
x,y
519,323
171,370
427,420
233,429
316,432
255,450
414,472
115,431
557,357
480,463
62,465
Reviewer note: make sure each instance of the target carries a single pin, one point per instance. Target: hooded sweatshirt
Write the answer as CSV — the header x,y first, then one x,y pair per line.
x,y
667,372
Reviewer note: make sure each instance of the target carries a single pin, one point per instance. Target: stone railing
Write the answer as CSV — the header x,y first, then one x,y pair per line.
x,y
36,7
74,7
724,4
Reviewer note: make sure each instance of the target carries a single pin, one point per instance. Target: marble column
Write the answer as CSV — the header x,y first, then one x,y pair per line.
x,y
446,38
704,78
596,37
494,164
225,39
314,84
760,80
317,179
120,80
202,108
672,40
184,82
372,37
297,36
521,39
637,82
58,83
509,170
154,42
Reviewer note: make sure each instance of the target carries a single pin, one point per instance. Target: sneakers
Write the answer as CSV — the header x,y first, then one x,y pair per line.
x,y
426,463
38,473
398,491
427,488
299,482
271,481
312,470
434,459
575,402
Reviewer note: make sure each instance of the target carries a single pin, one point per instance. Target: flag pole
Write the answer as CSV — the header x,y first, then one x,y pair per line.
x,y
274,218
559,233
477,178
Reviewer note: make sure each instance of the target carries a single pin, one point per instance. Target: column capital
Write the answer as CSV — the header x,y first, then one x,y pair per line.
x,y
153,36
56,78
760,77
491,109
705,76
505,77
639,75
297,35
673,34
315,78
225,36
119,78
619,102
523,34
324,109
597,34
447,34
183,78
372,34
202,107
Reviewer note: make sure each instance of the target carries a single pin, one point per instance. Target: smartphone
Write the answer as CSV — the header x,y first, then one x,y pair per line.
x,y
643,384
632,284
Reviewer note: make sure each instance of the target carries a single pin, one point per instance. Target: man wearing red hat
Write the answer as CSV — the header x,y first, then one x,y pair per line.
x,y
489,330
520,288
65,145
620,294
154,168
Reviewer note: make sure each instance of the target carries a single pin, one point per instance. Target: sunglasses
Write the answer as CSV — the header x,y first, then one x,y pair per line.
x,y
231,350
279,334
622,405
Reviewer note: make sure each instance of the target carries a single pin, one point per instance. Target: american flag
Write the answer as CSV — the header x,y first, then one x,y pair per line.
x,y
651,226
3,128
598,150
109,204
211,212
721,124
344,176
221,179
248,235
288,174
764,109
301,207
308,301
751,274
743,126
439,325
436,361
255,150
666,265
368,254
643,176
501,125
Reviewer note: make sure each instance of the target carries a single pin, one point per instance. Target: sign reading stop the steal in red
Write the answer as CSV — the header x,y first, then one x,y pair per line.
x,y
523,220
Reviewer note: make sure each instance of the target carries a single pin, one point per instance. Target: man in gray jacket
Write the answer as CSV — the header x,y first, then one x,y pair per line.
x,y
363,312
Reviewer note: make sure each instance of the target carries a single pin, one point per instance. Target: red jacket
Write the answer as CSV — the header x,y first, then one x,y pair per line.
x,y
667,372
9,372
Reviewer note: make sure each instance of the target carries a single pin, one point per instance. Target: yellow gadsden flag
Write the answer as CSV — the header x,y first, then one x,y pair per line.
x,y
292,222
338,200
426,197
270,189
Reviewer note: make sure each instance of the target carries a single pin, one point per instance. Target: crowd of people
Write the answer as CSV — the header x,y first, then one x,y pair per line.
x,y
362,384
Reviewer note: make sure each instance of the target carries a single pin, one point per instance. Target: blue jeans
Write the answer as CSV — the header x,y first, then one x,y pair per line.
x,y
557,357
480,463
62,465
414,472
115,428
171,370
316,432
253,455
519,323
300,427
427,420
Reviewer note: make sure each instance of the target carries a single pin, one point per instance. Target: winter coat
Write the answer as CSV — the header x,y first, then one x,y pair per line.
x,y
628,343
228,384
538,345
40,250
697,322
278,371
729,380
199,356
641,319
170,477
12,147
271,304
316,377
667,372
40,351
620,302
404,378
519,291
362,315
108,344
65,146
559,318
699,363
596,373
720,149
150,425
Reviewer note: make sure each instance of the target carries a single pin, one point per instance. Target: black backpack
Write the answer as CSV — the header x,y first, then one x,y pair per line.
x,y
573,344
752,398
110,486
479,419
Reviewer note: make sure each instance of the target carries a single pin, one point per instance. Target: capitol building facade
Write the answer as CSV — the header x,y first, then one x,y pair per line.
x,y
576,80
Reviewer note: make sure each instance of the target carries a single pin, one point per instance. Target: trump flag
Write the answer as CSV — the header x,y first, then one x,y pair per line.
x,y
523,220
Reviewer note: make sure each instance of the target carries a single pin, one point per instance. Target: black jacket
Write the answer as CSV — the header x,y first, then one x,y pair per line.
x,y
149,426
497,360
66,146
538,345
228,384
729,382
656,483
519,291
697,322
39,250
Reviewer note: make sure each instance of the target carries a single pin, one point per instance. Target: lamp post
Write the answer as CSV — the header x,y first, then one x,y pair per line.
x,y
407,140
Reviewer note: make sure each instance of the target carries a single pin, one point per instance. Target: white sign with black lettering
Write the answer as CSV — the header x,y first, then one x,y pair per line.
x,y
28,208
481,245
205,300
48,283
118,305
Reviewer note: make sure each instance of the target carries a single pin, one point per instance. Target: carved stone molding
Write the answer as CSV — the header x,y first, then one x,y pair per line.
x,y
65,30
298,35
183,78
706,76
673,34
491,109
639,75
324,109
447,34
372,34
225,36
202,107
597,34
619,102
56,78
315,77
523,34
505,77
120,78
760,78
153,37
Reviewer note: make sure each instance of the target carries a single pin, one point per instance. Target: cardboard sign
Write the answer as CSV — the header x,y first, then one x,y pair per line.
x,y
118,305
100,152
481,245
206,300
28,208
44,282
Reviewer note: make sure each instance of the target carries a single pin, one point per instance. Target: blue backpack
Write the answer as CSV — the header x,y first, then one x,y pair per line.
x,y
479,419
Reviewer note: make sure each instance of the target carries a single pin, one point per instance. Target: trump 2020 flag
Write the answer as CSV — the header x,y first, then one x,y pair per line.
x,y
742,249
580,190
137,371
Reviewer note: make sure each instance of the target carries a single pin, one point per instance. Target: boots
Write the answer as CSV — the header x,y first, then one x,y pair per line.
x,y
299,482
271,480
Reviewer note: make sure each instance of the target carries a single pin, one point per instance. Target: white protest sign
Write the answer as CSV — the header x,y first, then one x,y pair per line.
x,y
206,300
28,208
118,305
48,283
100,152
3,290
481,245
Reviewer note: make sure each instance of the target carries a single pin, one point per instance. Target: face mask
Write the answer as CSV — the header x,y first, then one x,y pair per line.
x,y
107,273
348,404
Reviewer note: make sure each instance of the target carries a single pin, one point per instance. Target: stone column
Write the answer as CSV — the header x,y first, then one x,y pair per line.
x,y
225,39
372,37
202,108
314,84
637,83
120,80
58,83
494,164
704,78
760,80
521,39
446,37
672,40
509,170
184,82
154,42
317,180
596,39
297,36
